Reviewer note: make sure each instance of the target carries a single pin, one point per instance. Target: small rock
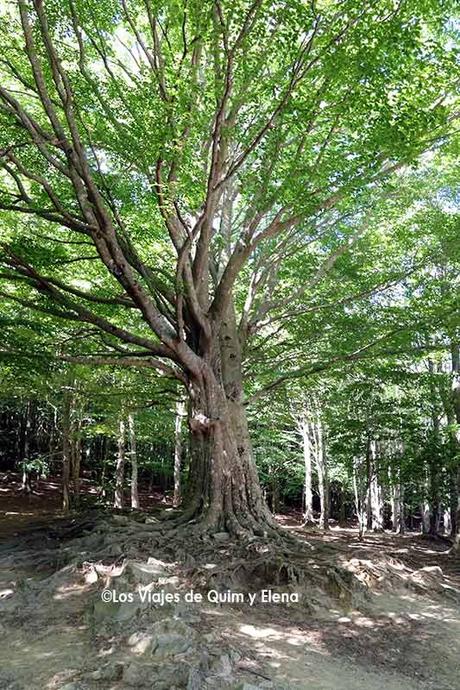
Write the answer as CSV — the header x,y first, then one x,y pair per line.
x,y
121,519
160,677
139,642
432,569
196,680
170,644
144,573
108,672
222,666
221,536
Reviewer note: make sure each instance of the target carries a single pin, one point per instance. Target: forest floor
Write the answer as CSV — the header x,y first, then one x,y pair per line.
x,y
381,613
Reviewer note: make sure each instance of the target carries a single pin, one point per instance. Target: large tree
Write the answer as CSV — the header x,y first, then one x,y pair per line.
x,y
175,153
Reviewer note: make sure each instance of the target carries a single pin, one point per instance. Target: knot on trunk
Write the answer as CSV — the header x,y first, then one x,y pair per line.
x,y
200,423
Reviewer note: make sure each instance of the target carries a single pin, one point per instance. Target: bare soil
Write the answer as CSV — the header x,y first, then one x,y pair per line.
x,y
382,613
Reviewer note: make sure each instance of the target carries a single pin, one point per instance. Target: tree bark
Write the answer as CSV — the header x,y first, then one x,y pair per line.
x,y
120,466
375,489
224,490
426,517
66,444
455,491
434,495
397,501
323,478
26,485
308,494
133,459
76,459
178,452
360,491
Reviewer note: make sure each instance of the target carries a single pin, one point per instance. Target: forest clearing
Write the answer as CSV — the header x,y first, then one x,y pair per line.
x,y
230,344
392,618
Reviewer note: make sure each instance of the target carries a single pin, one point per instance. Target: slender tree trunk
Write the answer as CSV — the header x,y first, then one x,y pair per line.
x,y
426,517
308,494
402,511
120,466
455,490
275,492
434,459
360,492
323,478
369,480
76,460
375,490
395,507
397,501
434,496
342,506
26,485
133,459
66,443
104,459
178,451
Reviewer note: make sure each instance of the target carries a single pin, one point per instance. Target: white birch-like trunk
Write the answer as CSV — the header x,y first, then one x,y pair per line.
x,y
133,460
178,452
120,466
308,493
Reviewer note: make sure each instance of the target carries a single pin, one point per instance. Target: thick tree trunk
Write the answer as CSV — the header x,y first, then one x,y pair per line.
x,y
224,491
224,488
133,459
178,452
120,466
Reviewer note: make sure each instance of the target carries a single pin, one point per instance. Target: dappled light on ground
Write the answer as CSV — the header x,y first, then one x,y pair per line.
x,y
385,623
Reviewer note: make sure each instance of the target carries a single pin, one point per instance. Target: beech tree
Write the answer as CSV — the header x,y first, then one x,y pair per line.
x,y
177,154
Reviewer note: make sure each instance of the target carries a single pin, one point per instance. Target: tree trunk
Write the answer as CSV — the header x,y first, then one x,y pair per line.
x,y
455,491
26,485
76,461
426,517
308,494
397,501
323,483
120,466
402,511
434,496
178,451
224,490
360,492
375,490
133,459
66,444
275,492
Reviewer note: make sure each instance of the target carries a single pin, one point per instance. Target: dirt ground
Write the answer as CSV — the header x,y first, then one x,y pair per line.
x,y
394,623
